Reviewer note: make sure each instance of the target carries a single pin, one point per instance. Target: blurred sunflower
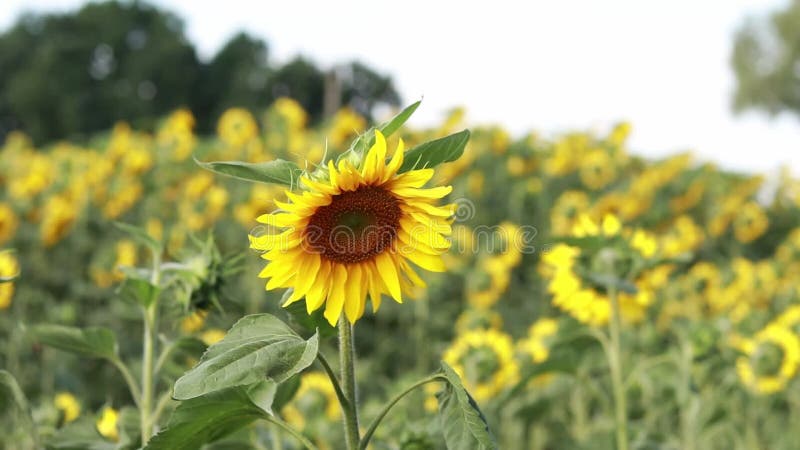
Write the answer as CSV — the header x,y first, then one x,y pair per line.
x,y
750,222
770,359
107,424
573,272
484,359
68,405
354,234
9,267
536,344
8,222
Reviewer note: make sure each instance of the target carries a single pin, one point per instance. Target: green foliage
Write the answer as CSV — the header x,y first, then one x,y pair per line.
x,y
435,152
463,423
257,346
141,66
94,342
210,417
765,58
277,171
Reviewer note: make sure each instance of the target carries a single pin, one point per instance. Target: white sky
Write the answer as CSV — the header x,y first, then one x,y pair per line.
x,y
544,65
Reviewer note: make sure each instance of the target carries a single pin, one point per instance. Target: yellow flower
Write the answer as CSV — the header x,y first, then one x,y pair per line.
x,y
8,223
771,359
212,336
750,222
236,127
194,321
345,124
59,216
68,405
536,344
292,111
107,424
565,211
484,359
597,169
354,234
473,318
645,243
126,256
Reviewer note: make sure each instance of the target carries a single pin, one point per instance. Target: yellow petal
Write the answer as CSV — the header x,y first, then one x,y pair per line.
x,y
427,262
439,211
319,187
335,302
353,293
316,295
397,161
412,179
436,192
308,268
375,286
388,273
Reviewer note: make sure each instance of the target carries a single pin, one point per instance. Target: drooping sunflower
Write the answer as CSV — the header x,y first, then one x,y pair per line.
x,y
354,232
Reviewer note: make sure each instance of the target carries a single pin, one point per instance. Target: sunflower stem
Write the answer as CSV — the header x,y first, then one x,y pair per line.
x,y
150,313
348,378
615,366
377,421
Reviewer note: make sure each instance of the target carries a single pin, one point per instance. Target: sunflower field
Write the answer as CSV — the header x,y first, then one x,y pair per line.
x,y
425,289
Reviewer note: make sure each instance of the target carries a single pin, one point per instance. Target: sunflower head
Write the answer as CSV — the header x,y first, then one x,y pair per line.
x,y
353,230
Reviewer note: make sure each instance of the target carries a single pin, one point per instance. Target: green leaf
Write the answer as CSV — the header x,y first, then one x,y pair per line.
x,y
435,152
387,128
257,346
140,235
298,314
11,396
610,280
138,290
277,171
463,423
80,435
208,418
95,342
15,413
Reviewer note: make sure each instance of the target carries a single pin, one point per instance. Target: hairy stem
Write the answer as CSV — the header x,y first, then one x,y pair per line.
x,y
615,365
347,368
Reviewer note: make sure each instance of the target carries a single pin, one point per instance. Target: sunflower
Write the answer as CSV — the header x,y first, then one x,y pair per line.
x,y
770,360
354,233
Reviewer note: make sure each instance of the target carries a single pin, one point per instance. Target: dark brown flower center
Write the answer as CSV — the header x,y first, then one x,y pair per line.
x,y
355,226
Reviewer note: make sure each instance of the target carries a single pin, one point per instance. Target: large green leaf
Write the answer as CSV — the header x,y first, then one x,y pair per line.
x,y
95,342
205,419
388,128
277,171
463,423
435,152
258,346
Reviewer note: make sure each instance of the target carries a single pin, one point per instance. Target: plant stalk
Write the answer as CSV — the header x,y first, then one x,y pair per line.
x,y
615,366
148,355
348,379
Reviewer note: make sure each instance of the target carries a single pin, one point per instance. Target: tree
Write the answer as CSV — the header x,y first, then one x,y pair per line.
x,y
766,61
238,75
67,75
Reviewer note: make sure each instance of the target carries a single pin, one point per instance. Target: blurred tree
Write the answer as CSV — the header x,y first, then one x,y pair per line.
x,y
62,75
766,60
237,76
67,75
